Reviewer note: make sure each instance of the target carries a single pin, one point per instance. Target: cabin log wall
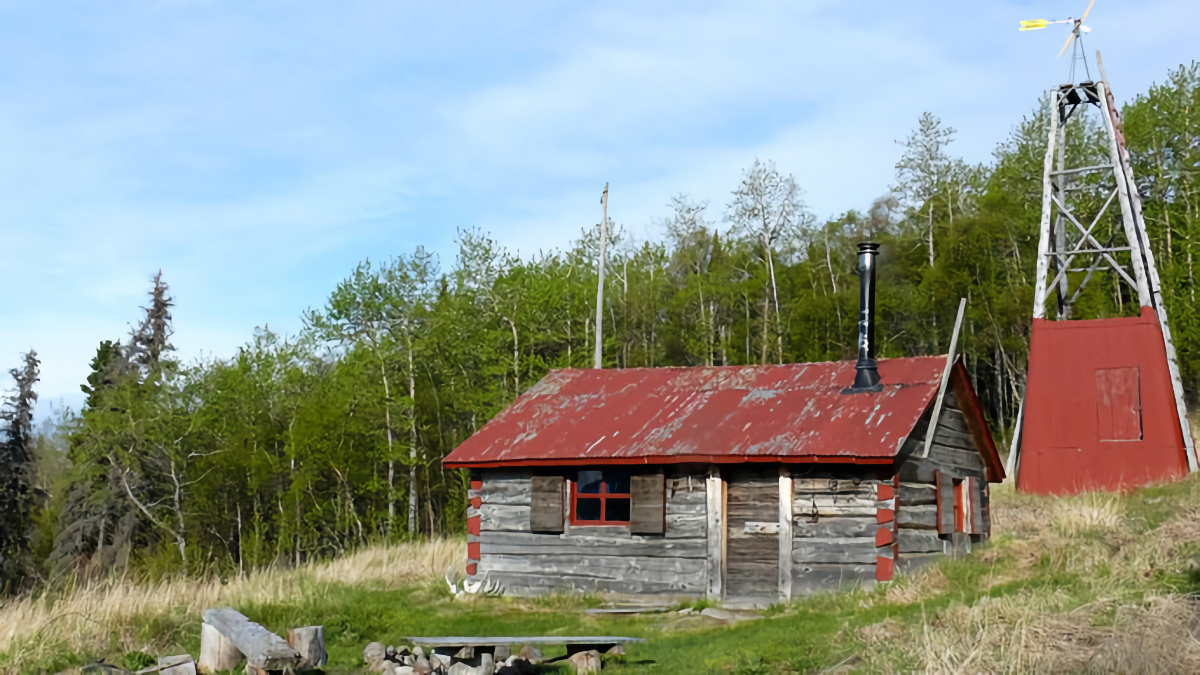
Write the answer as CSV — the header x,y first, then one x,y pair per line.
x,y
953,453
591,558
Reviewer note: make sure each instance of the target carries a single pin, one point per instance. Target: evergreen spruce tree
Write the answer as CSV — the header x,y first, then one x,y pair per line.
x,y
16,495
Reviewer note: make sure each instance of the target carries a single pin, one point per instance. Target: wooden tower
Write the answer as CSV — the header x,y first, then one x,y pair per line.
x,y
1103,406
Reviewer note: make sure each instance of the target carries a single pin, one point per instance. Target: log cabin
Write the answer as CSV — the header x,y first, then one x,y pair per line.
x,y
746,485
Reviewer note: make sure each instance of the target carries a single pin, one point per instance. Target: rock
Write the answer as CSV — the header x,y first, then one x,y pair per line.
x,y
403,670
417,651
616,649
586,662
502,653
686,610
421,665
531,654
373,656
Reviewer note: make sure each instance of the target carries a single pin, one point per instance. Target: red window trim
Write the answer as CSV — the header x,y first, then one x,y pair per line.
x,y
603,496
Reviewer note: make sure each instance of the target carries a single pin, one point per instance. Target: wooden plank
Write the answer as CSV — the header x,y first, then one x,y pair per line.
x,y
504,517
803,511
923,517
514,492
953,420
912,494
548,511
526,585
954,457
786,497
715,522
262,648
686,526
806,487
954,439
832,528
675,508
598,566
513,543
945,380
811,579
648,494
945,503
919,541
851,550
917,470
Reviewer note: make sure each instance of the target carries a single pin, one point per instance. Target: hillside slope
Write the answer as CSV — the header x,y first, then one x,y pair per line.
x,y
1096,582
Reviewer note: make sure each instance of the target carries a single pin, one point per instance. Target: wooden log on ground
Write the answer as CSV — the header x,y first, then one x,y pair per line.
x,y
176,665
309,642
263,649
217,653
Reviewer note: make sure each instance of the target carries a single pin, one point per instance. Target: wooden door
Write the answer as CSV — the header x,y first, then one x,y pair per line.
x,y
752,551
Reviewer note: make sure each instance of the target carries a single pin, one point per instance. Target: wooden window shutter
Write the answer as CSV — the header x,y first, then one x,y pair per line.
x,y
546,504
976,490
945,503
649,504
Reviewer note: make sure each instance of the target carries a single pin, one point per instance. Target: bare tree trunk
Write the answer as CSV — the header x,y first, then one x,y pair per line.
x,y
387,417
241,554
517,358
412,435
931,232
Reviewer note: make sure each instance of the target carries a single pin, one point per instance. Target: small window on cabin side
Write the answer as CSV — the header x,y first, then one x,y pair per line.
x,y
601,497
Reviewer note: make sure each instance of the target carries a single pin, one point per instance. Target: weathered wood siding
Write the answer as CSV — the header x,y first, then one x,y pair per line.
x,y
834,526
591,559
954,455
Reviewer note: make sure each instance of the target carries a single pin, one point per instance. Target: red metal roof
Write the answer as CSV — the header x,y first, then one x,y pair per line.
x,y
792,412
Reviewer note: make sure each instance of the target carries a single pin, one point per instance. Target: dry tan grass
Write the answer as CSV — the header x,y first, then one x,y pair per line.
x,y
1109,623
83,618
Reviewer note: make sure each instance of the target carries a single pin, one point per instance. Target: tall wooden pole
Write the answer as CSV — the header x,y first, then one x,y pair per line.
x,y
600,285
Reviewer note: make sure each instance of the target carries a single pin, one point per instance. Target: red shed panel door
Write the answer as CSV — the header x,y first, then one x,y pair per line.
x,y
1099,409
1118,404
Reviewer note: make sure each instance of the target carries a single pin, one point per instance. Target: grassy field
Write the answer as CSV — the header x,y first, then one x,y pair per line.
x,y
1090,583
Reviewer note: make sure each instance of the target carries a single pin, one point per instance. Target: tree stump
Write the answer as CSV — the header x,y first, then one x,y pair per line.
x,y
217,653
310,643
586,662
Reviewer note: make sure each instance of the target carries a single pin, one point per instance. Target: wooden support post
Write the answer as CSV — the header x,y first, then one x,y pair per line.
x,y
1154,282
937,404
715,503
1043,260
1123,190
217,653
310,643
786,497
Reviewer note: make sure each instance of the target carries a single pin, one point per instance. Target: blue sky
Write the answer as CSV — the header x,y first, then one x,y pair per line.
x,y
256,151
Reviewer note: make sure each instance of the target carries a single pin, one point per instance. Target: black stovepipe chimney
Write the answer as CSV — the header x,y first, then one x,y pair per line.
x,y
866,377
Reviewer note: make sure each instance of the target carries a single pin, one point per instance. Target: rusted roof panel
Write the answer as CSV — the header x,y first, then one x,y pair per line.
x,y
735,413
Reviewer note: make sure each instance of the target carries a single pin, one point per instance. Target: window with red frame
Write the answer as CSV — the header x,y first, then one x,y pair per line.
x,y
600,497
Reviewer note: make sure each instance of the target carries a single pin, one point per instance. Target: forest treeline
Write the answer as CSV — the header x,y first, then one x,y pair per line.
x,y
309,445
